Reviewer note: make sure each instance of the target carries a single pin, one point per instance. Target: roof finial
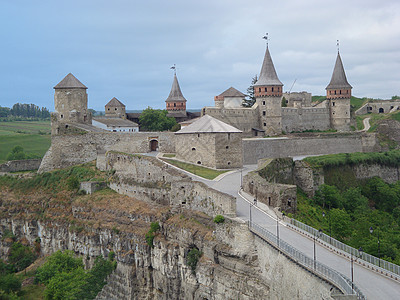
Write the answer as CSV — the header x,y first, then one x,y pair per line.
x,y
174,68
337,45
265,37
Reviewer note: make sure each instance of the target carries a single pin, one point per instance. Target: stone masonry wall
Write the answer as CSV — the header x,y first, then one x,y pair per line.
x,y
281,196
20,165
257,148
305,118
242,118
69,150
149,179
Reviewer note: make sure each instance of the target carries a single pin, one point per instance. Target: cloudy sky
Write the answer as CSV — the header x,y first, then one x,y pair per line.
x,y
125,48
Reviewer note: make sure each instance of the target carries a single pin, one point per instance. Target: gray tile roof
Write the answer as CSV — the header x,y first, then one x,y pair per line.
x,y
115,102
210,125
116,122
232,92
338,80
268,74
70,82
176,93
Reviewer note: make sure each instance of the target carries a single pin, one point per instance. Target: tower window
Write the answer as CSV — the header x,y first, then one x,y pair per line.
x,y
333,103
264,113
266,89
62,116
272,89
340,92
174,104
335,92
193,149
263,102
115,108
259,89
108,108
265,124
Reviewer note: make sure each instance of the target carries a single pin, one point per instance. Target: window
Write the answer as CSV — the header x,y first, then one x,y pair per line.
x,y
335,92
198,135
199,162
108,108
227,147
264,113
333,103
272,89
229,136
263,102
174,104
265,124
62,116
115,108
340,92
266,90
259,89
193,149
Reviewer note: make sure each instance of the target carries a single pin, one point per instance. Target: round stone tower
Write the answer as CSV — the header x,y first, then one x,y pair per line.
x,y
70,103
338,94
268,93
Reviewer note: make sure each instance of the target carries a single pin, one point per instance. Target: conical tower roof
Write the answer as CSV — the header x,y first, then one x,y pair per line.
x,y
176,93
268,74
70,82
338,80
115,102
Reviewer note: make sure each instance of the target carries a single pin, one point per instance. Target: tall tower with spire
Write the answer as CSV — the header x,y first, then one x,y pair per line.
x,y
175,101
338,94
268,93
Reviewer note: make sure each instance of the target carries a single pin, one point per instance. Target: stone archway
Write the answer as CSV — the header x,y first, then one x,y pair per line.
x,y
153,145
381,111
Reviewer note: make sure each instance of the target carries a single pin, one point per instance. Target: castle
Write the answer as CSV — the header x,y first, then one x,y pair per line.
x,y
275,112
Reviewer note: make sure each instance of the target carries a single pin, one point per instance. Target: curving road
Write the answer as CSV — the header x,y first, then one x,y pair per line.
x,y
373,285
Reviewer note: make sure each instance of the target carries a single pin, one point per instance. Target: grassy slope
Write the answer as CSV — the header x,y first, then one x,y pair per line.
x,y
355,102
25,134
197,170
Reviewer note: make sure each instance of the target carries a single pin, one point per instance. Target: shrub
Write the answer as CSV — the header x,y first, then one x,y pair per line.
x,y
154,226
10,283
192,258
73,183
219,219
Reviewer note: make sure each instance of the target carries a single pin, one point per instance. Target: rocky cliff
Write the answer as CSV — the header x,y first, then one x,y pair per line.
x,y
234,264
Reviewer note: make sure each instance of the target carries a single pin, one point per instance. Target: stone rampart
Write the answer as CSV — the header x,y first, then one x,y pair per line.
x,y
20,165
147,178
258,148
277,195
305,118
69,150
242,118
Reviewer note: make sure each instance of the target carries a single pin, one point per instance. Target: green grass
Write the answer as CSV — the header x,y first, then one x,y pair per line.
x,y
169,155
33,136
197,170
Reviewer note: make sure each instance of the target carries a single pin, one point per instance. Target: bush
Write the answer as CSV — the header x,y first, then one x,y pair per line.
x,y
21,256
10,283
192,258
154,227
73,183
219,219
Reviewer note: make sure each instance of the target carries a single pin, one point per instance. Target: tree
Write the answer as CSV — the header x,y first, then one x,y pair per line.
x,y
16,153
250,98
328,196
4,112
156,120
341,223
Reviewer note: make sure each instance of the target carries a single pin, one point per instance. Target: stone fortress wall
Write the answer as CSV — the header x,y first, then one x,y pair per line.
x,y
258,148
72,149
305,118
20,165
242,118
376,107
146,178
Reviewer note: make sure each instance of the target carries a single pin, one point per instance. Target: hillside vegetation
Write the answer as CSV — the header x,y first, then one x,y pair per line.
x,y
352,206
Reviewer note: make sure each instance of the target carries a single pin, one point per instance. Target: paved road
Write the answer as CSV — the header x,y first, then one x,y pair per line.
x,y
366,124
373,285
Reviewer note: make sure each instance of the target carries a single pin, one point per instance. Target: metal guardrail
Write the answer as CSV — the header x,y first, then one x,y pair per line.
x,y
339,280
388,268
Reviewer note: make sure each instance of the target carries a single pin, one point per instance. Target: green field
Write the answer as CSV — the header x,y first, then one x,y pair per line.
x,y
33,136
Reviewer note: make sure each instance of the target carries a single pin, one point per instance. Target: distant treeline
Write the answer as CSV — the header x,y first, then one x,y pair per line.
x,y
23,111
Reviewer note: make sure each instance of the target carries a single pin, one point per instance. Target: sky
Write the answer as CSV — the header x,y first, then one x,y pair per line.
x,y
125,48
